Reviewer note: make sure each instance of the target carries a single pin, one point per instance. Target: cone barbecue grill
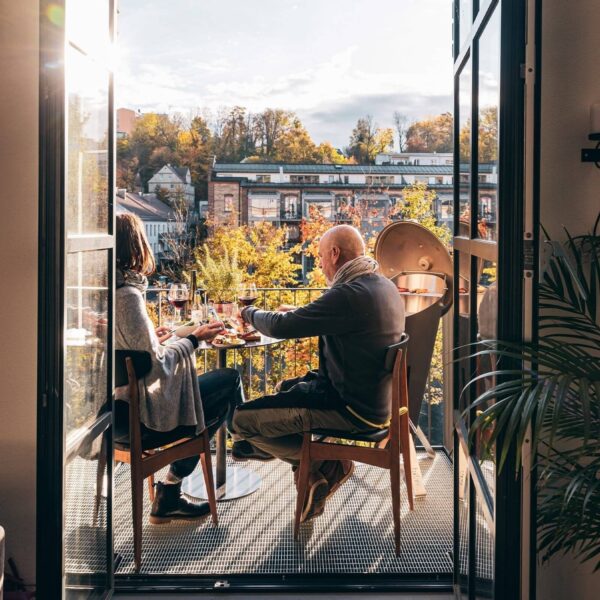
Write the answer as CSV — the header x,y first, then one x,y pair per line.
x,y
421,267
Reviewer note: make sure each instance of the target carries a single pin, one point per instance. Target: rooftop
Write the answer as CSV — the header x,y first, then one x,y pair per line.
x,y
344,169
147,207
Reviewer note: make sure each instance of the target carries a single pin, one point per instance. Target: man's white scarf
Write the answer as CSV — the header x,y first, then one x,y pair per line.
x,y
357,267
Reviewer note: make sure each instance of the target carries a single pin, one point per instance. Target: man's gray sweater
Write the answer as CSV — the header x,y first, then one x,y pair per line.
x,y
355,323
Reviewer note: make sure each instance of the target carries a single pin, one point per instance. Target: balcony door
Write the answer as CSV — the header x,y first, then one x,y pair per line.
x,y
74,548
488,249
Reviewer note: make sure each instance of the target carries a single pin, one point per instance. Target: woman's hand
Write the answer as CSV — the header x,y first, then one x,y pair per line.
x,y
163,333
208,332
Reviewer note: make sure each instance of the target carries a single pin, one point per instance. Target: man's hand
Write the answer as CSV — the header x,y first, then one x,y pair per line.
x,y
163,333
208,332
286,308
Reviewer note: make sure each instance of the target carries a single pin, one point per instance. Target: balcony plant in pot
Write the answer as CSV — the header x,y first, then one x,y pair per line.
x,y
220,277
549,392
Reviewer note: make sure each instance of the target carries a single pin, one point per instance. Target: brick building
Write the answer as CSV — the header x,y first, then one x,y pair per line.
x,y
246,193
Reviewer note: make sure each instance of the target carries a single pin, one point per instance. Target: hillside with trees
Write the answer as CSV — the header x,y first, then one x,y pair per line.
x,y
273,135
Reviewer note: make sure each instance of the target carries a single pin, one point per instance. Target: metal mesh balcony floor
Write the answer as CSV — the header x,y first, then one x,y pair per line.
x,y
254,534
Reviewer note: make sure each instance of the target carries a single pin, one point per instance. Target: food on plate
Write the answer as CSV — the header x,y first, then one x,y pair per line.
x,y
420,291
228,339
403,290
250,334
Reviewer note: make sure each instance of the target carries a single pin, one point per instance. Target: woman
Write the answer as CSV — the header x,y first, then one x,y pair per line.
x,y
174,402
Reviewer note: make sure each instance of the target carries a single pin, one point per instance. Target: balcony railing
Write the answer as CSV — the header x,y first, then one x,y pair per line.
x,y
262,368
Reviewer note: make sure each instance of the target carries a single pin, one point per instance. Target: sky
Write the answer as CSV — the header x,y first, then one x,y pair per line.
x,y
330,61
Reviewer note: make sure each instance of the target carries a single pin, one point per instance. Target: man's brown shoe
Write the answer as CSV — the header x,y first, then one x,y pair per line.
x,y
336,472
317,492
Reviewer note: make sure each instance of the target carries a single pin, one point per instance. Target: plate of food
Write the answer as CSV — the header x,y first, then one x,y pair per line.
x,y
228,340
249,334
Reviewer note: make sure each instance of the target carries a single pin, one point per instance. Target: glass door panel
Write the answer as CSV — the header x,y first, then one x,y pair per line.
x,y
488,123
479,245
464,153
87,286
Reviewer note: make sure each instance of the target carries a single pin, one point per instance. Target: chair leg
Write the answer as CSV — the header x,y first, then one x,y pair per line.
x,y
206,461
137,505
302,482
151,487
406,456
395,484
100,469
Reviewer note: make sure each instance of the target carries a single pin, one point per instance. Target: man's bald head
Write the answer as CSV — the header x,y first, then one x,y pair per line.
x,y
339,245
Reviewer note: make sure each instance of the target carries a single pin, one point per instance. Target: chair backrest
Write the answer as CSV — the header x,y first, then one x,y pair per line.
x,y
142,363
396,362
130,367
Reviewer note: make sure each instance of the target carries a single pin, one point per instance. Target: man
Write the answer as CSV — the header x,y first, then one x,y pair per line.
x,y
356,319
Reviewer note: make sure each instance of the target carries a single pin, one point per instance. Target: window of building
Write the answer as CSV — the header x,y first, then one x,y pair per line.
x,y
263,178
380,179
228,201
264,208
304,179
290,207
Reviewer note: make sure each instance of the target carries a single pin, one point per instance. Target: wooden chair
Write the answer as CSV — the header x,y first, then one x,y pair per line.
x,y
388,443
130,366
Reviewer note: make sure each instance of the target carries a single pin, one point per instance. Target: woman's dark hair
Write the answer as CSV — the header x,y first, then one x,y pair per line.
x,y
133,250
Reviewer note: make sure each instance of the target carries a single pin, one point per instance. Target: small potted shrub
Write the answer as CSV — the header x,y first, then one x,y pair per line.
x,y
220,277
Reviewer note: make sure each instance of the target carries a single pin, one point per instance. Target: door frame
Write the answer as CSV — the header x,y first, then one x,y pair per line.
x,y
507,507
53,249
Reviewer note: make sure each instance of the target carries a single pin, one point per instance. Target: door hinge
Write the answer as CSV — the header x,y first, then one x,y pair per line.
x,y
525,70
528,257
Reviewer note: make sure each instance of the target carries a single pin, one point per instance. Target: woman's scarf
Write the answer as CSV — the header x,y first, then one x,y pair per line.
x,y
357,267
132,278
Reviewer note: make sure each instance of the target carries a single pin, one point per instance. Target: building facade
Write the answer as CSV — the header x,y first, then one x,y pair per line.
x,y
414,158
176,181
126,119
284,194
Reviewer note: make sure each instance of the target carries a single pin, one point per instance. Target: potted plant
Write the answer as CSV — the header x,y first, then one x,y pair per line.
x,y
557,400
220,277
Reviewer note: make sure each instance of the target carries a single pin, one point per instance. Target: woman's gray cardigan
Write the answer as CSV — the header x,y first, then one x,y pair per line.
x,y
169,393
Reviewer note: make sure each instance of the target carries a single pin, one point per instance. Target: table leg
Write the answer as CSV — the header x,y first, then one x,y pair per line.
x,y
221,458
230,482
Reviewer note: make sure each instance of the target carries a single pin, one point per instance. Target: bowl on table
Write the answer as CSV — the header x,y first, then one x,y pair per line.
x,y
185,330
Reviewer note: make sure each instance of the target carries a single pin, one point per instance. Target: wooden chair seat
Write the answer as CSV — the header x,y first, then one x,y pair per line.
x,y
375,436
386,452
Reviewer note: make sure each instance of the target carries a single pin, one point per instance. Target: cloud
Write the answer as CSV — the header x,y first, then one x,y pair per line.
x,y
335,121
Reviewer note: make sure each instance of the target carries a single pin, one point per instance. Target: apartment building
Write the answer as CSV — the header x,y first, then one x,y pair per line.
x,y
284,193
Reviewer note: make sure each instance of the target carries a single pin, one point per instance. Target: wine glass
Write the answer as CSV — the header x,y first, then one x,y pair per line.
x,y
248,294
178,297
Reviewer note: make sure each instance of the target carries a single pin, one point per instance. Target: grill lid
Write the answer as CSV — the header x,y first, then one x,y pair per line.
x,y
407,247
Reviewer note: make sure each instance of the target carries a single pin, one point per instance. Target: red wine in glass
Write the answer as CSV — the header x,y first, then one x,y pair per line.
x,y
248,300
179,304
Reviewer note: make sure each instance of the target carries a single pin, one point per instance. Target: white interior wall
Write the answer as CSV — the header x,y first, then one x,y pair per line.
x,y
570,189
19,47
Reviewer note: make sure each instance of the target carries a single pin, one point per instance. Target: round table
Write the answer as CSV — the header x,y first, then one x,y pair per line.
x,y
234,481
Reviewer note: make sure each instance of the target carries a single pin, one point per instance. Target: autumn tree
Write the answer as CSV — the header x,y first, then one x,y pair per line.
x,y
152,144
326,154
367,140
295,144
488,134
430,135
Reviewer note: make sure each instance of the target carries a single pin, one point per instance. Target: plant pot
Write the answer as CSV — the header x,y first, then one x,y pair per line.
x,y
223,308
